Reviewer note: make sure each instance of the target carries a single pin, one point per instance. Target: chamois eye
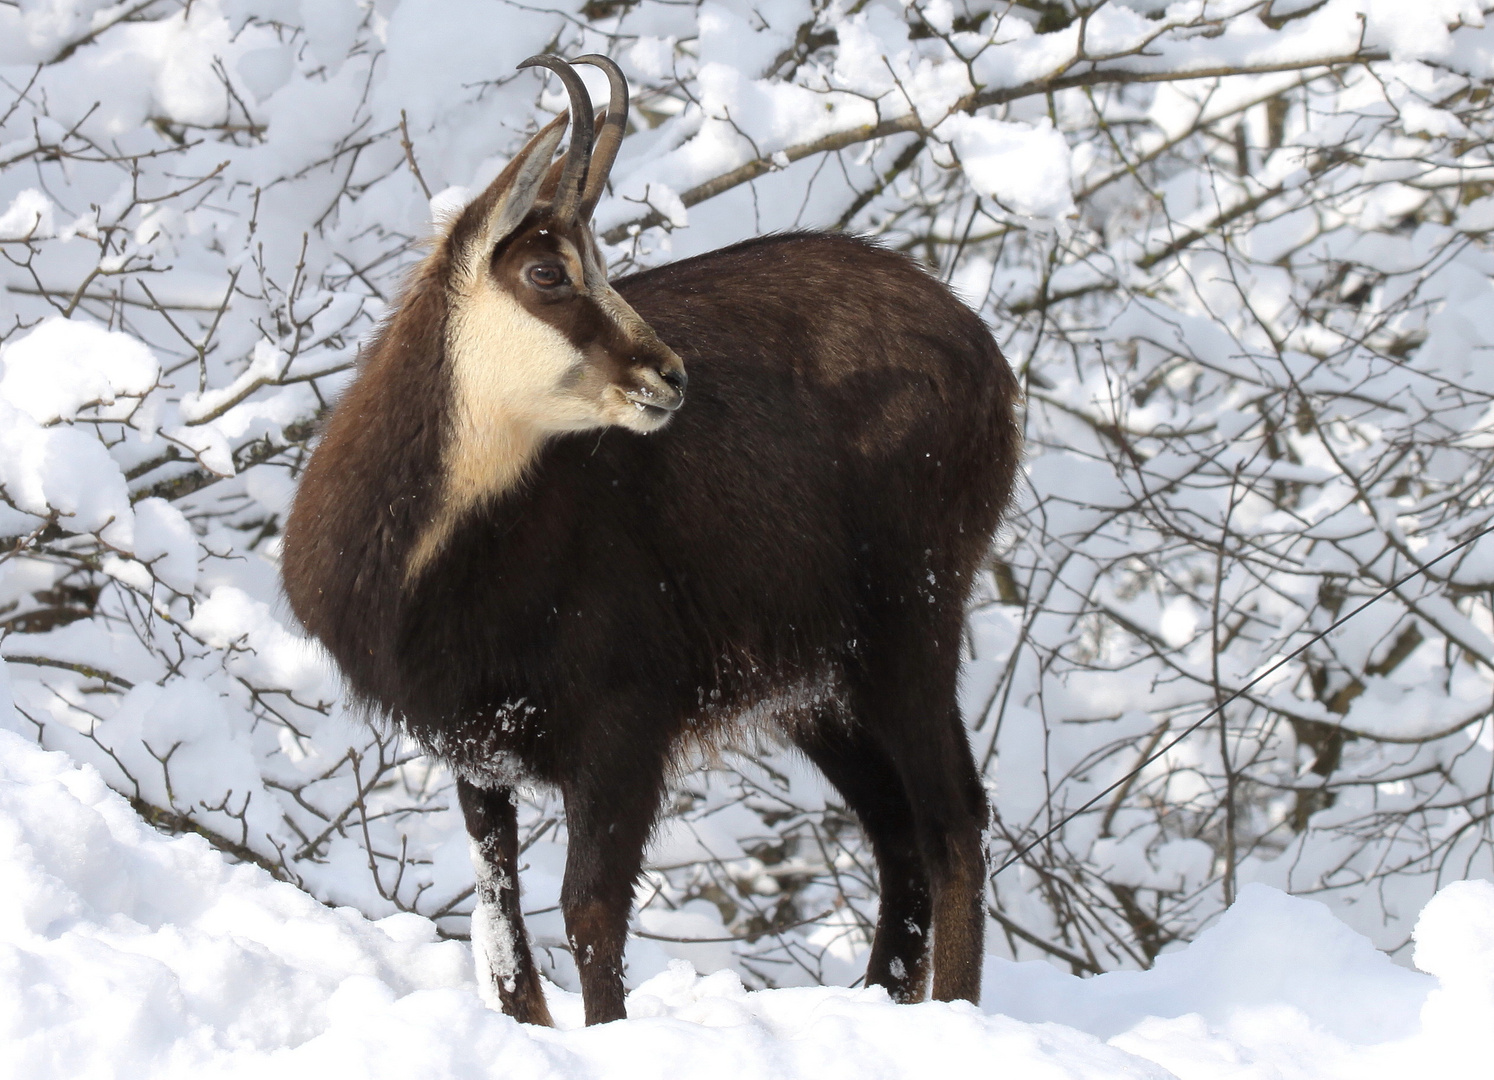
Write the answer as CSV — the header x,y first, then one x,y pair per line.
x,y
546,276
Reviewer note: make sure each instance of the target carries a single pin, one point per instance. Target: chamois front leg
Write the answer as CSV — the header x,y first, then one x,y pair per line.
x,y
505,965
609,813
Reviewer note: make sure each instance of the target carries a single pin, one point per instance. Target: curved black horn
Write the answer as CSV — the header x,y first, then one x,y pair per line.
x,y
578,154
611,135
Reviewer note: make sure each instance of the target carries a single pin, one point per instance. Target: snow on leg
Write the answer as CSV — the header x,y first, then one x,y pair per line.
x,y
506,974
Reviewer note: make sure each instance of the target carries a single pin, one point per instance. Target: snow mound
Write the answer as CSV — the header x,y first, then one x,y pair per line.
x,y
1256,955
125,953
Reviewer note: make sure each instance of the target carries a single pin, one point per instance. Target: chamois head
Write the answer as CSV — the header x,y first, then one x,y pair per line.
x,y
533,323
536,341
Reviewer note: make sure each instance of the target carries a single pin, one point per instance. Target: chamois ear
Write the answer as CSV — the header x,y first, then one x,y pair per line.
x,y
498,211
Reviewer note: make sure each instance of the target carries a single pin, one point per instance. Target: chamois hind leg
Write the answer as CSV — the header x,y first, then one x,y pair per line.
x,y
610,807
908,703
505,964
952,814
869,782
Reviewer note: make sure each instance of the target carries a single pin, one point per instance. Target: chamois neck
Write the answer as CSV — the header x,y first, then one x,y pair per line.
x,y
486,455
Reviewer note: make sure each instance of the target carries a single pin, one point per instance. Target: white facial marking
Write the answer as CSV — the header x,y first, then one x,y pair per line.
x,y
509,371
516,380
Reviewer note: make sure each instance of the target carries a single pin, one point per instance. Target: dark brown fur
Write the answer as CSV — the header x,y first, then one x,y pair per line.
x,y
810,518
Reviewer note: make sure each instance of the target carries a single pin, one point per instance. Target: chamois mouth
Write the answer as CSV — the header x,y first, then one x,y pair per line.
x,y
653,404
656,413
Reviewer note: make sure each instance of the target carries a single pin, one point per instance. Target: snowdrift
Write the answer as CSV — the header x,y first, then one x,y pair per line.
x,y
126,953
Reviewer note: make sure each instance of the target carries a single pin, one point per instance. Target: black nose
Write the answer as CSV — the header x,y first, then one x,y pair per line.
x,y
676,379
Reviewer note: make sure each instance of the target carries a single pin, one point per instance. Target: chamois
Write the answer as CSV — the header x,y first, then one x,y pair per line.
x,y
528,548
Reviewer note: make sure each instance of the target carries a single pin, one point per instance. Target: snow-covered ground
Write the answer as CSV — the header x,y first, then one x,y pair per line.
x,y
125,953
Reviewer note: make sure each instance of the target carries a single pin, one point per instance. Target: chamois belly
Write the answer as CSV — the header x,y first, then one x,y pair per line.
x,y
507,664
519,732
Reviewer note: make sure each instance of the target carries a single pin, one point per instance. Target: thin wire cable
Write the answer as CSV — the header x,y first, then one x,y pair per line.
x,y
1021,854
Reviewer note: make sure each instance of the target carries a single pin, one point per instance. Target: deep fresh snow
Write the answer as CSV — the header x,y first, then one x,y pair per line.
x,y
126,953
